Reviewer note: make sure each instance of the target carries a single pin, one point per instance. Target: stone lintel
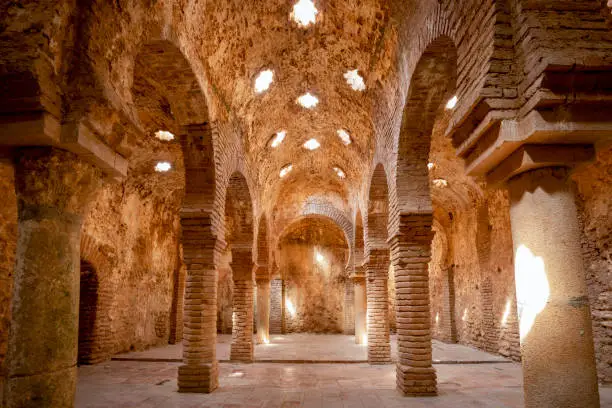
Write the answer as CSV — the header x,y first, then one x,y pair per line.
x,y
43,129
538,127
532,157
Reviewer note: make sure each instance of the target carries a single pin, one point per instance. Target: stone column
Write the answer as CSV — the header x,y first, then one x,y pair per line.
x,y
199,372
379,347
262,277
359,282
53,188
411,253
242,317
554,314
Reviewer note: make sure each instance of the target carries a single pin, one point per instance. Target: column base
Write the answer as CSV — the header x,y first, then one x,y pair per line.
x,y
416,381
47,390
238,354
201,378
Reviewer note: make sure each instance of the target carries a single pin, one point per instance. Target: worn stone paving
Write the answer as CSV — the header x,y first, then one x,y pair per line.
x,y
300,347
148,384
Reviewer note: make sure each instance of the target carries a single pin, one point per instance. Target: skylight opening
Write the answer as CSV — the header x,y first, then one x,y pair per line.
x,y
355,80
430,166
163,167
264,80
344,136
452,103
312,144
340,173
278,139
286,170
308,100
440,183
164,135
304,13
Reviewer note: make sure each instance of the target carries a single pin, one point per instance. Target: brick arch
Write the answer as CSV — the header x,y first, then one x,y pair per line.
x,y
294,221
263,249
378,210
432,84
238,213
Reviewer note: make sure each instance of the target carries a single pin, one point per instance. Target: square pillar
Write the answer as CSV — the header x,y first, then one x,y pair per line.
x,y
379,346
242,316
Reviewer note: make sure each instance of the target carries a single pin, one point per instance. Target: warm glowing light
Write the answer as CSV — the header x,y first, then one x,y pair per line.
x,y
264,80
278,139
452,103
339,172
286,170
465,314
164,135
290,307
320,257
440,183
344,136
437,318
304,13
506,312
355,80
162,167
308,100
532,289
266,340
364,339
430,166
236,374
312,144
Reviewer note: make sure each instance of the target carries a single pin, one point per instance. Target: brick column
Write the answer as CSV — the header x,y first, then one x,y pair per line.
x,y
199,372
262,277
554,315
411,253
276,306
448,326
360,298
54,189
379,347
242,316
349,307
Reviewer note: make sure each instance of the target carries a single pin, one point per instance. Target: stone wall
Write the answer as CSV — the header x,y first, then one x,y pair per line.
x,y
8,241
595,210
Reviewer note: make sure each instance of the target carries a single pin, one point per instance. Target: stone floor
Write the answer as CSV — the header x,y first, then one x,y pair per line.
x,y
314,347
152,384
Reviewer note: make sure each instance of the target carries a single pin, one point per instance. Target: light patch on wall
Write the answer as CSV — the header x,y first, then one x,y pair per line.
x,y
344,136
312,144
308,100
163,167
465,315
340,173
277,139
437,318
286,170
355,80
236,374
506,314
164,135
440,183
532,289
290,307
320,257
452,103
304,13
264,80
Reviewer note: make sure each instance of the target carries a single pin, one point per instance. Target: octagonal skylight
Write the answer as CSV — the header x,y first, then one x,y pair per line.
x,y
304,13
312,144
264,80
308,100
286,170
452,102
339,172
344,136
162,167
164,135
277,139
355,80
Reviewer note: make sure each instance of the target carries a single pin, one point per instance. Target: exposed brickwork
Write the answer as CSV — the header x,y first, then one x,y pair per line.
x,y
411,253
349,308
379,348
242,316
276,306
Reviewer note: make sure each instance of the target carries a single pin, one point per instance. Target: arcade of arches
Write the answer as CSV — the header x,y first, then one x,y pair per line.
x,y
409,177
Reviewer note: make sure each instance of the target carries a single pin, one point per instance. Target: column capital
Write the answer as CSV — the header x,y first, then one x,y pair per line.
x,y
50,180
533,157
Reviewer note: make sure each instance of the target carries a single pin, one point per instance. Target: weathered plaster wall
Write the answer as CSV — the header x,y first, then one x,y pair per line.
x,y
595,211
130,237
8,241
315,288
